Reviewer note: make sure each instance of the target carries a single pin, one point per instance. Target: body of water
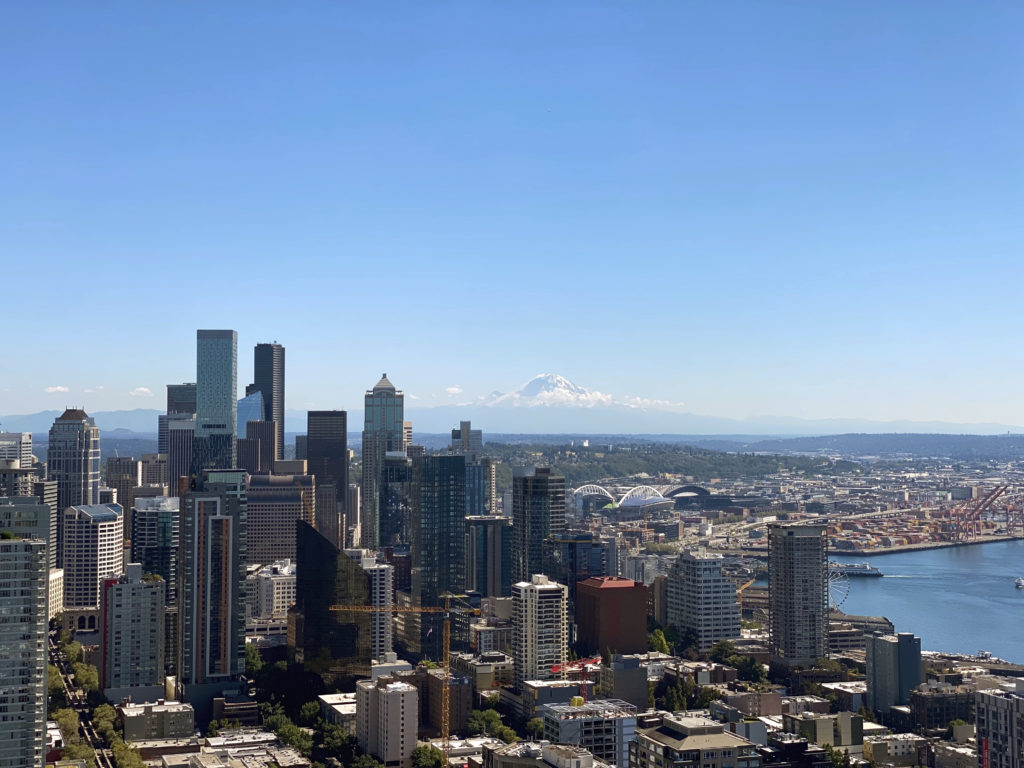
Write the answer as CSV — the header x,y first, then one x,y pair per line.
x,y
959,599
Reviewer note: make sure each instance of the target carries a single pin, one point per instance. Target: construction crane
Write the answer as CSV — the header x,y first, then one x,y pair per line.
x,y
579,665
446,610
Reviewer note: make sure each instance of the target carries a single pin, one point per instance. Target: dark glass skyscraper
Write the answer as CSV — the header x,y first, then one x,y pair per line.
x,y
437,529
489,555
268,378
383,414
331,644
538,512
181,400
327,449
216,405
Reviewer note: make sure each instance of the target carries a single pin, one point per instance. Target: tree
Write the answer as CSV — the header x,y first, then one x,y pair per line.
x,y
722,651
86,677
80,752
253,660
657,642
426,756
365,761
126,757
952,725
309,712
67,721
72,651
535,728
104,720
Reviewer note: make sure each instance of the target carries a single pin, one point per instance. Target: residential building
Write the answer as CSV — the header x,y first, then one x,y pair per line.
x,y
382,432
798,592
268,378
339,709
73,460
623,677
132,640
270,590
23,646
703,600
893,670
16,446
538,512
275,503
489,555
934,705
381,589
999,719
27,517
147,721
155,539
694,742
604,727
213,446
211,572
437,543
387,719
540,628
611,615
93,549
896,749
394,500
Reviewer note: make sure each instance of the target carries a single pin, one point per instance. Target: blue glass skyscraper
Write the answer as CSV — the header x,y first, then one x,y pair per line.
x,y
216,389
384,410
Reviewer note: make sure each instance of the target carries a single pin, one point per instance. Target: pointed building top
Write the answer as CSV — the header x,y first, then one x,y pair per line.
x,y
384,384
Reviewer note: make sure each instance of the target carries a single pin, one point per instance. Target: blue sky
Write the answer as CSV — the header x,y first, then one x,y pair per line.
x,y
789,208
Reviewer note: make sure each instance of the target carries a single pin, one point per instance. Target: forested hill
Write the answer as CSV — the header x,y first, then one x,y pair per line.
x,y
583,465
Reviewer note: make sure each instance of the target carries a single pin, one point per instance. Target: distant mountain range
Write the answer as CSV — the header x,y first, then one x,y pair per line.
x,y
551,404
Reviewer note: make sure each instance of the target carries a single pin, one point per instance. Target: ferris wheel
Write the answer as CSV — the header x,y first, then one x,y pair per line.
x,y
838,585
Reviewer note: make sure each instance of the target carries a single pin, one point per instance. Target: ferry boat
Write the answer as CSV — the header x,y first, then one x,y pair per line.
x,y
1019,583
853,569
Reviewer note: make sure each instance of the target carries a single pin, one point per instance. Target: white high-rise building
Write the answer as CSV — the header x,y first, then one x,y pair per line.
x,y
387,718
380,578
701,599
540,628
23,663
16,445
132,641
93,549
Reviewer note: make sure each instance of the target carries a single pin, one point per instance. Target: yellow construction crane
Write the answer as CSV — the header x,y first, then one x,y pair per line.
x,y
446,645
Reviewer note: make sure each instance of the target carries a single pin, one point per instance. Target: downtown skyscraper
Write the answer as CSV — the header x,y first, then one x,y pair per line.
x,y
268,378
73,461
213,446
383,413
538,513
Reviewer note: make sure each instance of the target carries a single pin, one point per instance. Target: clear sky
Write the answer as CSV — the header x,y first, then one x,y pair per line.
x,y
808,209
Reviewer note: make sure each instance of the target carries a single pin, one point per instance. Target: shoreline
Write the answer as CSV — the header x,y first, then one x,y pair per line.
x,y
926,545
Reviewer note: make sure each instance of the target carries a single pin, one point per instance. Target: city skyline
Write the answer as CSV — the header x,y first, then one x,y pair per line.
x,y
770,209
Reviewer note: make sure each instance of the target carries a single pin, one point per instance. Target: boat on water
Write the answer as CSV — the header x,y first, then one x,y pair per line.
x,y
1019,583
853,569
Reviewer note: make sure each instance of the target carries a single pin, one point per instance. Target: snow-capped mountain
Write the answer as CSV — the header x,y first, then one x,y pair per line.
x,y
552,390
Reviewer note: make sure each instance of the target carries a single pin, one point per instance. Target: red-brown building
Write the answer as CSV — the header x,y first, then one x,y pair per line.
x,y
611,615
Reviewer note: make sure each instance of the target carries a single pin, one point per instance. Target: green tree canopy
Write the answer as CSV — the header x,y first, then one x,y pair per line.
x,y
426,756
